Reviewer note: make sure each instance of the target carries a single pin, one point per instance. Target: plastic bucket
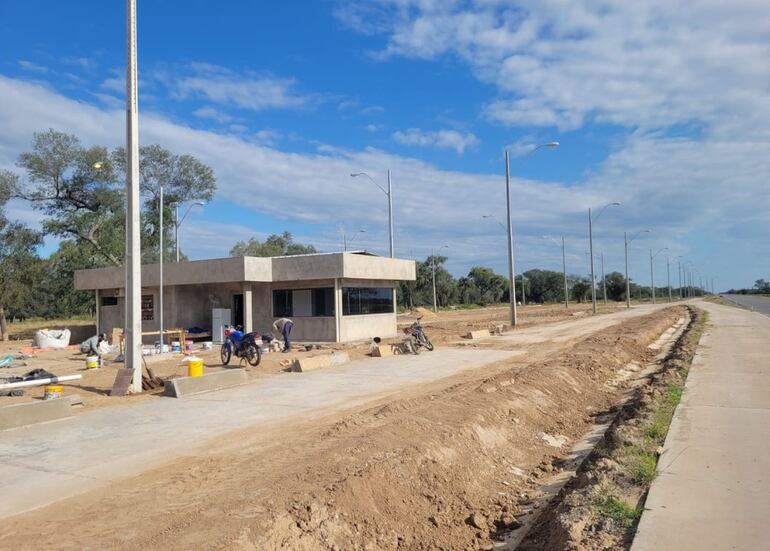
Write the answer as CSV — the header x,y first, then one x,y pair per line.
x,y
175,346
53,391
194,367
188,346
208,345
92,362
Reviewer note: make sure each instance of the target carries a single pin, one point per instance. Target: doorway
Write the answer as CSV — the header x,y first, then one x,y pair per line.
x,y
238,310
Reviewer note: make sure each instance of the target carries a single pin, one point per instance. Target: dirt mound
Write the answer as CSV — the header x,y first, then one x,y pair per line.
x,y
424,313
451,466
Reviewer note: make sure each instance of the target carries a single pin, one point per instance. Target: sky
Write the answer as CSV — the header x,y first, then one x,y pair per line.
x,y
662,107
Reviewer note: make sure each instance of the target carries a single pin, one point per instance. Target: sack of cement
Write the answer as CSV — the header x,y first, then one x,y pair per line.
x,y
52,338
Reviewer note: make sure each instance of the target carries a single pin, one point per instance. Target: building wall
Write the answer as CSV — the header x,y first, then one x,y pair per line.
x,y
355,328
313,329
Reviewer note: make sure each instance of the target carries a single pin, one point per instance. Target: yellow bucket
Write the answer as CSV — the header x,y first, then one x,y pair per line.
x,y
53,391
92,362
194,367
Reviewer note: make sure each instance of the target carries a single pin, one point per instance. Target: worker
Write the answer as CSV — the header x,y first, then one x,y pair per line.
x,y
91,346
283,326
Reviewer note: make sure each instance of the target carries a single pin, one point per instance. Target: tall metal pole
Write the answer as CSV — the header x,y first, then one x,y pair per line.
x,y
433,263
176,230
133,327
160,264
652,279
628,283
591,252
511,281
679,272
564,271
390,217
523,291
668,276
604,281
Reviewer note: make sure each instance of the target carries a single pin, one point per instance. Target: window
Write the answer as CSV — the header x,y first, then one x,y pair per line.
x,y
109,301
323,302
367,300
148,308
303,303
283,306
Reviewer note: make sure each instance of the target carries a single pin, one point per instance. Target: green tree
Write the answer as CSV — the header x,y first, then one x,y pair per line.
x,y
581,288
274,245
491,287
18,259
544,286
616,286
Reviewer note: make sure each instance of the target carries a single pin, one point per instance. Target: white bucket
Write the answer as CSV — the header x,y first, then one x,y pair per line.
x,y
208,345
92,362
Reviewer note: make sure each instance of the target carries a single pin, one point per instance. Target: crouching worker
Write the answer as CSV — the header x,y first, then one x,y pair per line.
x,y
283,326
94,346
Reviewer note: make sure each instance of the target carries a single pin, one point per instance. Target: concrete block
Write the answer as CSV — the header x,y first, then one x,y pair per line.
x,y
499,329
301,365
382,350
182,387
478,334
19,415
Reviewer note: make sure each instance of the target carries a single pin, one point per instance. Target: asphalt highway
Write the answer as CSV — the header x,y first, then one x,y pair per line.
x,y
755,302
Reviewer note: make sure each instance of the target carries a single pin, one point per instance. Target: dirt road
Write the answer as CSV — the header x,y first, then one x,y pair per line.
x,y
711,492
224,493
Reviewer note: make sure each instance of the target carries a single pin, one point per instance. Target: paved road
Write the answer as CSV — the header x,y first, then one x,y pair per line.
x,y
755,302
713,490
44,463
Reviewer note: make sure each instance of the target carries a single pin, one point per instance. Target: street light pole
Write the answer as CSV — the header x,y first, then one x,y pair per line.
x,y
433,263
628,281
668,276
133,284
389,193
563,267
652,271
178,222
509,234
591,251
160,264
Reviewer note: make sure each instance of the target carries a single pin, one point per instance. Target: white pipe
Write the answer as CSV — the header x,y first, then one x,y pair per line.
x,y
38,382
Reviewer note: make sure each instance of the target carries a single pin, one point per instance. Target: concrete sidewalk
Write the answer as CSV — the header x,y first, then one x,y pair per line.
x,y
713,487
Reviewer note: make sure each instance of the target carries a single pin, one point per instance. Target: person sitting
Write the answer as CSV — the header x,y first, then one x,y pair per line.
x,y
283,326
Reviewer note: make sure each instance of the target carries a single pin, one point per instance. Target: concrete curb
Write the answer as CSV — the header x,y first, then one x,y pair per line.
x,y
19,415
187,386
316,362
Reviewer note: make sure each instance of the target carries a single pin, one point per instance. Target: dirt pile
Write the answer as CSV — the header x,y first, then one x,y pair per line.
x,y
448,466
600,509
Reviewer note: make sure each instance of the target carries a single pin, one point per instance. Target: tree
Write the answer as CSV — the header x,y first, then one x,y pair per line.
x,y
18,259
274,245
490,287
544,286
762,286
616,286
581,287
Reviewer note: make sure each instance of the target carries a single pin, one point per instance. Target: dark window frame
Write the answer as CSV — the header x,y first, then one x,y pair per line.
x,y
362,301
108,301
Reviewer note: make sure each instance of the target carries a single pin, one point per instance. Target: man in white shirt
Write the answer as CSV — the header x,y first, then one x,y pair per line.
x,y
283,326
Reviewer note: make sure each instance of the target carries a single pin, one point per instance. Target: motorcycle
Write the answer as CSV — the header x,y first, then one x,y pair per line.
x,y
241,345
418,337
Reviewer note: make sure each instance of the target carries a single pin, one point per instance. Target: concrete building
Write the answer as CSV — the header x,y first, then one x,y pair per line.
x,y
332,297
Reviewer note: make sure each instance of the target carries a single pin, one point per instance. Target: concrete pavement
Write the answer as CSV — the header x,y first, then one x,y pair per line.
x,y
713,487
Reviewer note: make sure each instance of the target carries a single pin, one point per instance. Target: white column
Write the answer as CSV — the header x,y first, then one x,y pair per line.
x,y
248,310
338,309
96,311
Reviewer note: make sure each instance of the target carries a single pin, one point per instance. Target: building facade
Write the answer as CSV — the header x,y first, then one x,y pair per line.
x,y
331,297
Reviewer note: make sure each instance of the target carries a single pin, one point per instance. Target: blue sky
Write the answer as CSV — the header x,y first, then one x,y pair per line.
x,y
663,108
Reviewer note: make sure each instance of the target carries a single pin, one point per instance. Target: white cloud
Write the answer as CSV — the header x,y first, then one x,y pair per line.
x,y
32,67
214,114
677,186
247,91
442,139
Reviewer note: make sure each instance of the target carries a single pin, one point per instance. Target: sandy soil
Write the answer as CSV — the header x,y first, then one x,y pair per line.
x,y
444,328
448,465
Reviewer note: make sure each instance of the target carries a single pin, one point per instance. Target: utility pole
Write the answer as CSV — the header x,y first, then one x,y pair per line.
x,y
564,271
433,264
390,217
668,276
133,326
160,264
509,232
591,253
176,230
652,279
523,292
628,283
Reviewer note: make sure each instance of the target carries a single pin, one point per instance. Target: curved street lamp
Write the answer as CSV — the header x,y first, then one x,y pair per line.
x,y
389,193
591,251
563,267
628,282
509,230
652,271
433,264
178,222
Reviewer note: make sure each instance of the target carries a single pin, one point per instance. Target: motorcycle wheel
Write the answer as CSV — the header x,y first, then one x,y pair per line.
x,y
224,354
253,355
426,343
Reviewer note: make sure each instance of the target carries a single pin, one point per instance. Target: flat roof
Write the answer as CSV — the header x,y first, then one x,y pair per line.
x,y
348,265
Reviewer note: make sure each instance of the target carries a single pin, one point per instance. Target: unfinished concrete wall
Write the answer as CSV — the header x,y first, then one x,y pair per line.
x,y
380,268
355,328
